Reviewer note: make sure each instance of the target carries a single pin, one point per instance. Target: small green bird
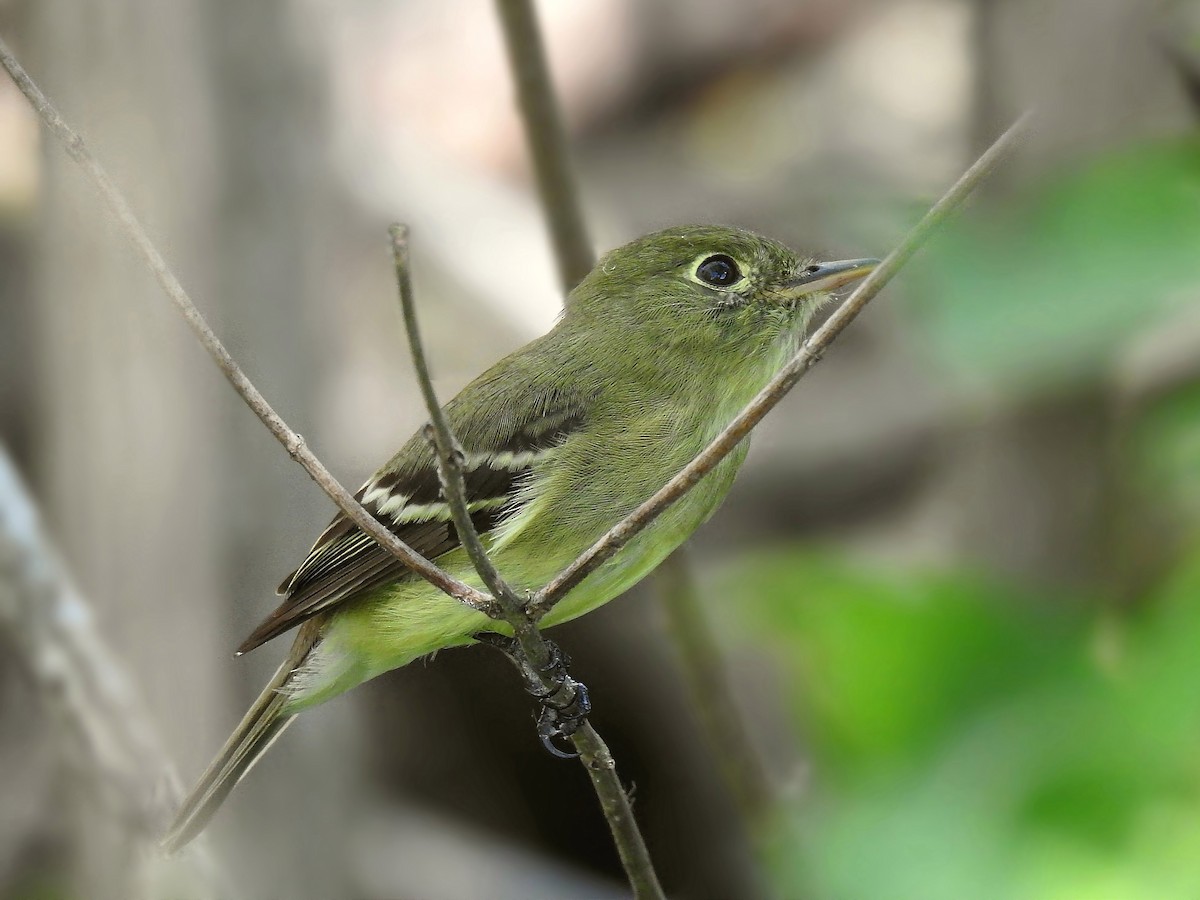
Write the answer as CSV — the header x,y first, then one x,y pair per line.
x,y
659,347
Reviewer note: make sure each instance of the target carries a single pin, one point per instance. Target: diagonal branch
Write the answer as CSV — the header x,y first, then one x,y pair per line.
x,y
808,355
593,752
450,462
706,677
292,442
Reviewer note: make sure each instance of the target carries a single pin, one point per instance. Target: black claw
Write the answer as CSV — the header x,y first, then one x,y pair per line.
x,y
565,703
576,706
548,743
550,728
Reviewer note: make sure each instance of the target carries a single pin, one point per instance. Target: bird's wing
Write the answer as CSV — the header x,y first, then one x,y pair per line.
x,y
406,496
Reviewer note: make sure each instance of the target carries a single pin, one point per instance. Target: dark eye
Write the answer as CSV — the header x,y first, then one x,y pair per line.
x,y
719,271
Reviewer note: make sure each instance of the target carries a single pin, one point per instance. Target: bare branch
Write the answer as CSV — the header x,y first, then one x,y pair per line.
x,y
614,802
449,454
808,355
86,688
547,140
292,442
593,752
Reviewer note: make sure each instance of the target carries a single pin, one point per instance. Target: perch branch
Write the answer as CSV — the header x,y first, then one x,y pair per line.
x,y
593,752
807,356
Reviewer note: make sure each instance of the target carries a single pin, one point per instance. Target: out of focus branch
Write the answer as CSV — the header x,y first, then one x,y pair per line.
x,y
547,140
709,684
593,752
51,627
1186,65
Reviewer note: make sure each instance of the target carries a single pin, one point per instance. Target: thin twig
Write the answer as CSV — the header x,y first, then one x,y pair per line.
x,y
88,690
450,460
292,442
547,140
593,752
618,811
704,671
808,355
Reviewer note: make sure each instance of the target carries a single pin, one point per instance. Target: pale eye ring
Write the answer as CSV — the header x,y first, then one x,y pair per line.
x,y
719,270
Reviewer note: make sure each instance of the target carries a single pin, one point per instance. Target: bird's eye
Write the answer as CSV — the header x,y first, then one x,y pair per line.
x,y
719,271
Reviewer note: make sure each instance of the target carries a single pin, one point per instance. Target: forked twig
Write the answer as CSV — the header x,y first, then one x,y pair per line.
x,y
573,253
704,671
592,749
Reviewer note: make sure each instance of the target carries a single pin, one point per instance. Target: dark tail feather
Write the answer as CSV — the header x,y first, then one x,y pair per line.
x,y
261,725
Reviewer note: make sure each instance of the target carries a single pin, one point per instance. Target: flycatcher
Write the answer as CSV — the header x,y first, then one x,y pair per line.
x,y
659,347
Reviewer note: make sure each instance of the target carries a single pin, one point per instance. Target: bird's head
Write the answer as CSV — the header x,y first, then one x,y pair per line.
x,y
711,285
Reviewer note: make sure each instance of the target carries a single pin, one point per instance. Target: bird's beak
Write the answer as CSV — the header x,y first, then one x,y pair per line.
x,y
827,276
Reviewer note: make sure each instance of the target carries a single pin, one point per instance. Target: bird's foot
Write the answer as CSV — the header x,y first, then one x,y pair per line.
x,y
565,702
561,718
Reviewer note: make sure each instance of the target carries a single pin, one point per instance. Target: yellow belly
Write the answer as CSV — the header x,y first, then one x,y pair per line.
x,y
391,627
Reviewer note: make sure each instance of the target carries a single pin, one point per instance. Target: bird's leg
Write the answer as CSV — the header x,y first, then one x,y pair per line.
x,y
565,702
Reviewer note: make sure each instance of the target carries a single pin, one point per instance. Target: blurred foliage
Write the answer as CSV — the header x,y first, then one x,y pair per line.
x,y
968,742
1040,295
1166,443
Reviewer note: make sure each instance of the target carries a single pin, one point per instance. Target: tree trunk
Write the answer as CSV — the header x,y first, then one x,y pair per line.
x,y
127,445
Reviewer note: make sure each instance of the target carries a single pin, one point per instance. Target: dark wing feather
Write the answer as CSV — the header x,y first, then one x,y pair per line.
x,y
345,563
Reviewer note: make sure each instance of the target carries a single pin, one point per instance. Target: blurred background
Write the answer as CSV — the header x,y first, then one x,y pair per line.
x,y
956,589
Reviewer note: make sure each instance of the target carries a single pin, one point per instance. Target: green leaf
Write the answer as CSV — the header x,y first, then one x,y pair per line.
x,y
967,743
881,662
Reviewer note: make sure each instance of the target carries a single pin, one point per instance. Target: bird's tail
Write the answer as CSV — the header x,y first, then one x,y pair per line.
x,y
262,724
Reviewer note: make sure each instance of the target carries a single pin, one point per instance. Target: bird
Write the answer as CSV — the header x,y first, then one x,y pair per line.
x,y
656,350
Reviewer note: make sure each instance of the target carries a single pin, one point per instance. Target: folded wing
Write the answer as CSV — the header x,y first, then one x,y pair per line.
x,y
406,496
